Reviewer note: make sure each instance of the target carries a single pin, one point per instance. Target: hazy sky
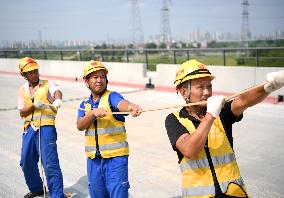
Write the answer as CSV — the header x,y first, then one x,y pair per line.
x,y
101,19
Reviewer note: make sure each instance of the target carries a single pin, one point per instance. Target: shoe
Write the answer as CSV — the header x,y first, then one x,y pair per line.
x,y
33,194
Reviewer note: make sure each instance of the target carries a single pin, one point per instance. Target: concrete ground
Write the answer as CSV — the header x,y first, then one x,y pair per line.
x,y
153,168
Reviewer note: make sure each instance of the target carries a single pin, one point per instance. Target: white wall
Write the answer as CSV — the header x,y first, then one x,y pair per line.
x,y
118,72
229,79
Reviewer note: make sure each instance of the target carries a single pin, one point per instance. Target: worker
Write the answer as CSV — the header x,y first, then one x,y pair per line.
x,y
38,101
106,143
202,136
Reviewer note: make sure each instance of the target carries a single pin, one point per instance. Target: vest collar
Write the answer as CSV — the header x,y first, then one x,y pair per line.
x,y
183,114
92,103
27,86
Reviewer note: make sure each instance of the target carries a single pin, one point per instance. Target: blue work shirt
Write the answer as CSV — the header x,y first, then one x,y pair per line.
x,y
114,99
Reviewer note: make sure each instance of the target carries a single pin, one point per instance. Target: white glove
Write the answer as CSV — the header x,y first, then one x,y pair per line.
x,y
275,81
215,104
57,103
40,105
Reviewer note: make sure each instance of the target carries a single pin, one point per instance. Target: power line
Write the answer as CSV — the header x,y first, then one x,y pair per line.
x,y
136,25
165,34
245,32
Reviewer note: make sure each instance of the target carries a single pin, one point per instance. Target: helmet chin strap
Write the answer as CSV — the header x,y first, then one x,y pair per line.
x,y
188,92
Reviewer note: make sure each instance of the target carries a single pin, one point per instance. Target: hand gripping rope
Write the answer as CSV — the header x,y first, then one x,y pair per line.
x,y
202,103
153,109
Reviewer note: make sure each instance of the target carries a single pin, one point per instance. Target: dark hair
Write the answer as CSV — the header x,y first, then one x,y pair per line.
x,y
183,84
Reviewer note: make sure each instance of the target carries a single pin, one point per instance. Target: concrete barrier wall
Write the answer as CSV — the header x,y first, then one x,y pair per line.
x,y
228,78
118,72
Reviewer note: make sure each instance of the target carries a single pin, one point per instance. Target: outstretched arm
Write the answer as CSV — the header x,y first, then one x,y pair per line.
x,y
126,106
275,80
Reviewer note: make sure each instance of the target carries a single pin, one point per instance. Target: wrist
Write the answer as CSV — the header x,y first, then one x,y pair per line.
x,y
130,106
268,87
210,116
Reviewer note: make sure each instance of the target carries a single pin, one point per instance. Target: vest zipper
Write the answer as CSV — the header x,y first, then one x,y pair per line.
x,y
33,111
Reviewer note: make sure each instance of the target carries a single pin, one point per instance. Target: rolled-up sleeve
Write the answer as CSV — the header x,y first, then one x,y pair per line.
x,y
52,87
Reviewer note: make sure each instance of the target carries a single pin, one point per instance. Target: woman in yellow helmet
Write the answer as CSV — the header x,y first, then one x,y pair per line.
x,y
106,143
202,136
38,101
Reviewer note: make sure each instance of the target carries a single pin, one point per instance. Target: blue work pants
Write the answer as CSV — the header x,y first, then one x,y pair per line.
x,y
108,177
30,158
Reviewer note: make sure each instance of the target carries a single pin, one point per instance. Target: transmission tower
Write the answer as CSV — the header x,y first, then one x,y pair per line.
x,y
245,34
165,34
136,25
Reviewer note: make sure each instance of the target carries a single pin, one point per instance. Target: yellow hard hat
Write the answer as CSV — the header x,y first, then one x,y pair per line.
x,y
191,69
93,66
27,64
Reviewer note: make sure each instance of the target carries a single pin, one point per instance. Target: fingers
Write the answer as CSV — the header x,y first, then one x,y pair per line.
x,y
40,105
99,112
215,104
275,81
135,110
57,103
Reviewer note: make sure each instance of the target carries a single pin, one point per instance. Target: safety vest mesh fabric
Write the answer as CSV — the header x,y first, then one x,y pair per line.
x,y
112,137
39,117
197,180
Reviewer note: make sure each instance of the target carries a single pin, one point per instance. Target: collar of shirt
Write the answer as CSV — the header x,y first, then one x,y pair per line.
x,y
93,104
184,114
27,86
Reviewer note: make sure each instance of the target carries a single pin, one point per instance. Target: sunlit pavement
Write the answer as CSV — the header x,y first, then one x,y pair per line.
x,y
153,168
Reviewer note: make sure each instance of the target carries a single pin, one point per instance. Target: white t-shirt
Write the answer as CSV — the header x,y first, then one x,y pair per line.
x,y
52,87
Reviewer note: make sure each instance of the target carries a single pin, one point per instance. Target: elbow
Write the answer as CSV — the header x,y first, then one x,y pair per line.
x,y
80,128
23,114
190,154
79,125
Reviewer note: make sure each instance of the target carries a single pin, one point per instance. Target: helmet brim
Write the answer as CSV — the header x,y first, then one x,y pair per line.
x,y
211,77
94,70
31,68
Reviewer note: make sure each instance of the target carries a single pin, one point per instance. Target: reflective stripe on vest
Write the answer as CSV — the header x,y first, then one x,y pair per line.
x,y
208,190
107,146
203,163
91,132
112,138
197,177
39,117
42,117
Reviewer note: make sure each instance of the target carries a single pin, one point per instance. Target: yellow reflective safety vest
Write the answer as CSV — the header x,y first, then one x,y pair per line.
x,y
197,180
106,135
39,117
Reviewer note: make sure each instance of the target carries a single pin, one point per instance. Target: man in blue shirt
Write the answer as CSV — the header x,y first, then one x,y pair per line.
x,y
106,143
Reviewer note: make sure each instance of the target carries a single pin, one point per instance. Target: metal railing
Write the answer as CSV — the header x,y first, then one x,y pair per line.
x,y
265,56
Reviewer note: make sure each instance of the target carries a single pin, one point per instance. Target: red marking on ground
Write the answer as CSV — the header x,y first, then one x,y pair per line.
x,y
269,99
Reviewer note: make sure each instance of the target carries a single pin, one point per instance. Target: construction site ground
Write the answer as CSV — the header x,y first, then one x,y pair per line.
x,y
153,167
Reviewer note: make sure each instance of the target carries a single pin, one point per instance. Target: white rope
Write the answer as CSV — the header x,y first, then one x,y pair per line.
x,y
40,159
202,103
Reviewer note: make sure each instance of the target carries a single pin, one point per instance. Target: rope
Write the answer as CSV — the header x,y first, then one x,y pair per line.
x,y
73,99
147,110
203,103
40,160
